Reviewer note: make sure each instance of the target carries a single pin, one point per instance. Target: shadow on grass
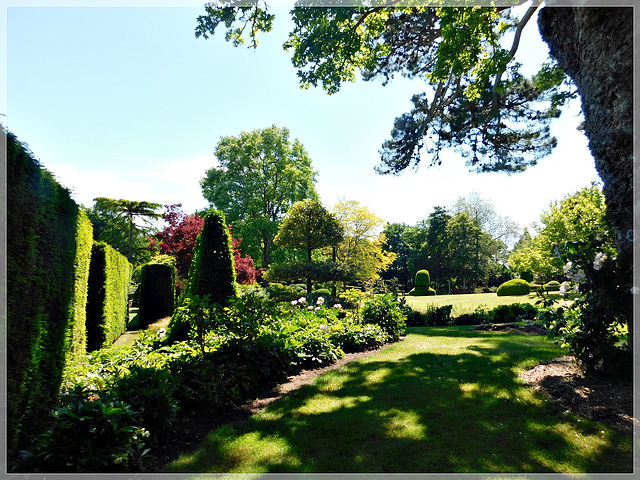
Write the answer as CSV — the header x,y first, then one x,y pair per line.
x,y
427,411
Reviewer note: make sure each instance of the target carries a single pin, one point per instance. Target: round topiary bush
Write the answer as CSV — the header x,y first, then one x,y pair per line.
x,y
516,286
423,280
552,286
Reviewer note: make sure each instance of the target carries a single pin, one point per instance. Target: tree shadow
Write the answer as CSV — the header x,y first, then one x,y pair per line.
x,y
427,412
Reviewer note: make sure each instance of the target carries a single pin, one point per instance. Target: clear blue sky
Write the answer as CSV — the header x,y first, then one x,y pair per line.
x,y
125,102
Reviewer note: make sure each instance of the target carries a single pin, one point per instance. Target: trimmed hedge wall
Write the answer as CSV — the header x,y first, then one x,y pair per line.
x,y
212,272
157,292
76,335
42,231
107,305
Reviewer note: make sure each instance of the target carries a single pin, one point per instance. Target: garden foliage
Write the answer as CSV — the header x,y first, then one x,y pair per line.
x,y
422,284
47,260
123,400
212,271
516,286
107,304
157,292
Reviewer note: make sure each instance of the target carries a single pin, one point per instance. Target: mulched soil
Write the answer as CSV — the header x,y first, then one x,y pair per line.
x,y
601,399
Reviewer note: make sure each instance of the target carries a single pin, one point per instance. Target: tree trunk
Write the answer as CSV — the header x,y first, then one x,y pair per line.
x,y
594,46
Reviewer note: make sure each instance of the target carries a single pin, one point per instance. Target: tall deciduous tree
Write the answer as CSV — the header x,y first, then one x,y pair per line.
x,y
579,219
480,103
259,176
362,246
114,214
309,226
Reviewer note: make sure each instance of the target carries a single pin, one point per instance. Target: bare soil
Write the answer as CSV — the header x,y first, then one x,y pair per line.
x,y
601,399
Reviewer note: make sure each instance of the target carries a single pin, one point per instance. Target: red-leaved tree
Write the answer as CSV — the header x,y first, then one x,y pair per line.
x,y
178,238
246,273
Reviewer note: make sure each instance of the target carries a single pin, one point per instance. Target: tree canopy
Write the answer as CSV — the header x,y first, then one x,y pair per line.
x,y
310,226
259,176
578,219
116,222
362,248
478,102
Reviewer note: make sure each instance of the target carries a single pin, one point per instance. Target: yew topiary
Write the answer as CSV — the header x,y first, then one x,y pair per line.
x,y
516,286
212,272
423,280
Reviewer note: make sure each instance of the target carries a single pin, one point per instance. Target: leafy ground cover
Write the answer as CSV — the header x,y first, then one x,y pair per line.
x,y
445,399
467,303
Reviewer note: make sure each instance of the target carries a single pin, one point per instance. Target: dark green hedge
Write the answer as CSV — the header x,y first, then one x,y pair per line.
x,y
107,304
212,272
41,254
157,292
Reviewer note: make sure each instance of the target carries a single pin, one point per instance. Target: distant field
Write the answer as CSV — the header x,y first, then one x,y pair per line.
x,y
467,303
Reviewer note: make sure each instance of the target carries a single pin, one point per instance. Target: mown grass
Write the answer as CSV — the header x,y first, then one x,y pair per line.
x,y
443,400
467,303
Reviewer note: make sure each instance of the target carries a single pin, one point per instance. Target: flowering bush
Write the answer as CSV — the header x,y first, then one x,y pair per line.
x,y
593,327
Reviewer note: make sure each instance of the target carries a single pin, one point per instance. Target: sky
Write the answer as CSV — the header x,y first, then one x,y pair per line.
x,y
125,102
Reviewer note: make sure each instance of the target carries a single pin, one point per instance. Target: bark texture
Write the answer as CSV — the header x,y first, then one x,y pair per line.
x,y
594,46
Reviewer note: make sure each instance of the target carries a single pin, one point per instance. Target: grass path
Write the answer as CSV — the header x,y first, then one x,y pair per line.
x,y
442,400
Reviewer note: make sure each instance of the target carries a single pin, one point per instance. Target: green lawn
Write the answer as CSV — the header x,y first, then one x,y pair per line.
x,y
442,400
467,303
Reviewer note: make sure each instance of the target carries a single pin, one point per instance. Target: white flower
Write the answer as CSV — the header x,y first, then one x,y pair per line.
x,y
338,306
565,304
294,302
599,260
576,288
564,287
317,308
323,327
320,301
302,300
567,267
310,307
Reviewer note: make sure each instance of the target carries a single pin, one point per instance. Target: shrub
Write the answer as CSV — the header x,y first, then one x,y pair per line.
x,y
278,292
88,434
151,393
513,313
516,286
355,337
468,319
107,302
552,286
384,310
423,282
157,292
212,271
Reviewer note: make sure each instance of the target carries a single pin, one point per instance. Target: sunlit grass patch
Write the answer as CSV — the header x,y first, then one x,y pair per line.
x,y
444,400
